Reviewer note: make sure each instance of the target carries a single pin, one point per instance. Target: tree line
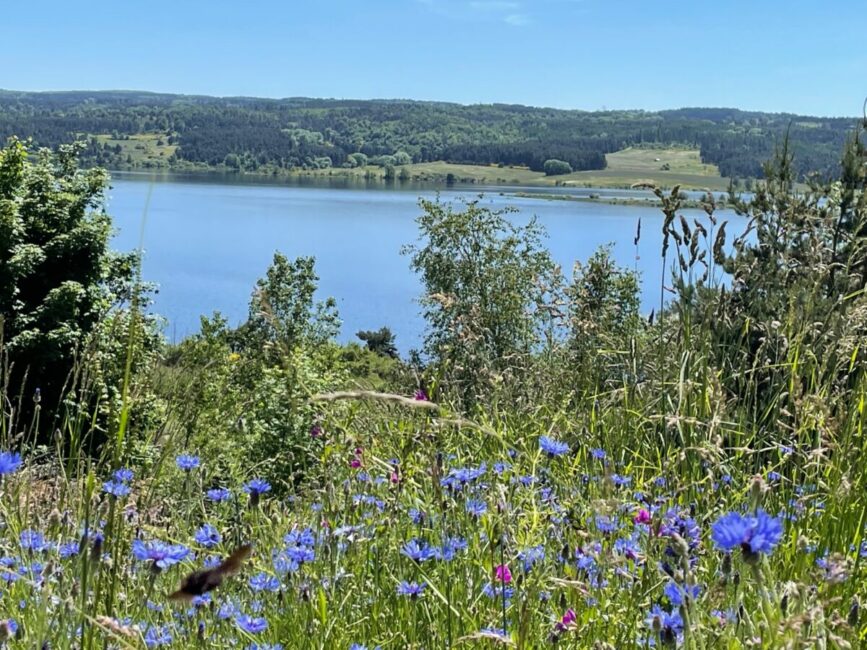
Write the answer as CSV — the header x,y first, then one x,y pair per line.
x,y
283,134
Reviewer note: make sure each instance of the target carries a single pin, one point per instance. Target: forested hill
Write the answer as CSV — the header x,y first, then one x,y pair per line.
x,y
268,135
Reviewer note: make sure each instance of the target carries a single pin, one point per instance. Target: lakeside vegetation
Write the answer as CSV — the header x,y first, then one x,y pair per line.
x,y
553,467
661,166
135,130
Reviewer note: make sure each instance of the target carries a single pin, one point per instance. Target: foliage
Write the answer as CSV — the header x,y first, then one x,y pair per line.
x,y
249,386
604,318
380,341
60,284
556,167
486,286
263,135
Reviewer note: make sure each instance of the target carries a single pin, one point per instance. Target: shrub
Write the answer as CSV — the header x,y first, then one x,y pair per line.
x,y
554,167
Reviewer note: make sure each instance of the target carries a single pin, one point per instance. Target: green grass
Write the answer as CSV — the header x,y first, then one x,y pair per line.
x,y
625,168
143,148
633,165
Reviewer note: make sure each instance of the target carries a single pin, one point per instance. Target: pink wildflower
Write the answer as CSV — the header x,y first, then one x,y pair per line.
x,y
643,517
502,574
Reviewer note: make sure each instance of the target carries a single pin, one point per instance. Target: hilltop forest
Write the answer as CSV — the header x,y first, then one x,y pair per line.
x,y
272,135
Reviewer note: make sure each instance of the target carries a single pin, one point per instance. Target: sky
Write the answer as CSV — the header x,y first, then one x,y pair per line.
x,y
770,55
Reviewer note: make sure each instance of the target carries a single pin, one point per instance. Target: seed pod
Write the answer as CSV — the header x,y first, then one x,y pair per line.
x,y
726,564
684,226
854,612
719,243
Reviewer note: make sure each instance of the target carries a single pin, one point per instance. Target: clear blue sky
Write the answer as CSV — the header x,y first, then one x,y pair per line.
x,y
773,55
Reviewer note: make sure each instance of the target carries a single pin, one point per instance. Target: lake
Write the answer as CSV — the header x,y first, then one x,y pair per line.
x,y
206,242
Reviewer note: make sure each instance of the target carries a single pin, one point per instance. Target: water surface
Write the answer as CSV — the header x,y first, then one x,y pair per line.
x,y
207,240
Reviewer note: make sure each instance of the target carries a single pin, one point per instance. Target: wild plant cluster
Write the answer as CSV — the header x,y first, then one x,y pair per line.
x,y
555,468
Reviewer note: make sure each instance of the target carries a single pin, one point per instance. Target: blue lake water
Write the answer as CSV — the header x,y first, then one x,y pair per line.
x,y
207,242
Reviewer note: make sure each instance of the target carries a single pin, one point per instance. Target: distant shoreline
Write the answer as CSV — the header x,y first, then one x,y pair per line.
x,y
446,175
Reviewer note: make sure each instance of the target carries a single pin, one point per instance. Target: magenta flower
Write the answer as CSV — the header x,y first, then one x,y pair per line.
x,y
502,574
643,517
420,396
569,618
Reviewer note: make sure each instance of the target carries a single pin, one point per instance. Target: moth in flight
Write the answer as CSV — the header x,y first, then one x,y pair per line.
x,y
201,582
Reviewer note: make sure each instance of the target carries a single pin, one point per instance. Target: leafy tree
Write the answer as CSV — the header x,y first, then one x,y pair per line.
x,y
357,160
283,311
402,158
486,287
380,341
58,277
555,167
604,315
251,385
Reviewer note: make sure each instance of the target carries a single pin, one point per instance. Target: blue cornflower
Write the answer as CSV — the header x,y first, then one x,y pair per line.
x,y
621,481
724,617
264,646
606,524
68,549
500,467
418,550
256,486
219,494
33,540
187,462
553,447
476,508
460,477
10,461
250,624
227,610
300,554
450,547
416,516
531,556
115,488
686,527
124,475
667,625
282,563
678,594
498,592
203,600
157,636
754,535
162,555
598,454
264,582
305,537
208,536
410,589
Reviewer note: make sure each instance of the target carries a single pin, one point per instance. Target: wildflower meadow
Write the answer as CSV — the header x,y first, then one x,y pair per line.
x,y
555,469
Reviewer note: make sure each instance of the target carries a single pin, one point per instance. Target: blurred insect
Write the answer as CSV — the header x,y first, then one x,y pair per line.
x,y
201,582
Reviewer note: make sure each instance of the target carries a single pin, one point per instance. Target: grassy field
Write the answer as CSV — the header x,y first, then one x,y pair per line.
x,y
144,149
664,167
